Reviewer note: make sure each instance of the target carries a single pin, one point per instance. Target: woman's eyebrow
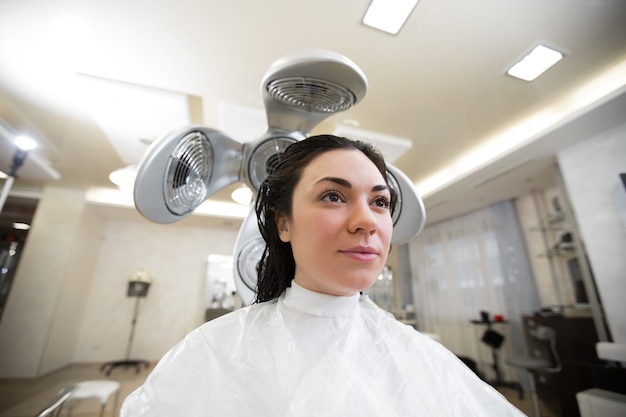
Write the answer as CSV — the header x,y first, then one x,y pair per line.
x,y
345,183
381,187
336,180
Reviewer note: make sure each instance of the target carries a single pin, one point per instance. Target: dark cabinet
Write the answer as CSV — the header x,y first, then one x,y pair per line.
x,y
576,339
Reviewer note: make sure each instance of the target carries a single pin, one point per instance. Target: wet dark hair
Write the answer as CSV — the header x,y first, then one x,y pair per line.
x,y
277,266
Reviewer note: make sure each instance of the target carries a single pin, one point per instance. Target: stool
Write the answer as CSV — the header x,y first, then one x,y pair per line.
x,y
100,389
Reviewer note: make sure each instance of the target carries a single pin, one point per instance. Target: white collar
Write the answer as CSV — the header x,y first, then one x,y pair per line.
x,y
318,304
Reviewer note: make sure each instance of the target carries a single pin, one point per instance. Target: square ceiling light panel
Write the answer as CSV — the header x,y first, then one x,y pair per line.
x,y
535,63
388,15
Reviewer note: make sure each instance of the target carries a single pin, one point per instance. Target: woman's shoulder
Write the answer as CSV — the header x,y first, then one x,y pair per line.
x,y
371,311
232,323
394,329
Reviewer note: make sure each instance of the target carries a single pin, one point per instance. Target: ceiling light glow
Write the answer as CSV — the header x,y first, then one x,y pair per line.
x,y
25,143
118,198
242,195
538,61
124,178
602,88
388,15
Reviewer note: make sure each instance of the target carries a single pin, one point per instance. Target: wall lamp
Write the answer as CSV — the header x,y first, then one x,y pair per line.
x,y
23,145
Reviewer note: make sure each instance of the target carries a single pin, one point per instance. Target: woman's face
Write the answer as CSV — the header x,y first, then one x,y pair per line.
x,y
340,226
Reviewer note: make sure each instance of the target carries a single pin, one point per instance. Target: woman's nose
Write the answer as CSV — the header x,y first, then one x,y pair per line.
x,y
362,218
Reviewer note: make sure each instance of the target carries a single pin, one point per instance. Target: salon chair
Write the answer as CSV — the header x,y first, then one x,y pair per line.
x,y
596,402
536,363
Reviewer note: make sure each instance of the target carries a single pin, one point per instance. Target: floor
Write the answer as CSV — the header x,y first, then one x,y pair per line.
x,y
26,397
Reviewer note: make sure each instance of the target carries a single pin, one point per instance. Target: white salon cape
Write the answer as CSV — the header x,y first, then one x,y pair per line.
x,y
311,354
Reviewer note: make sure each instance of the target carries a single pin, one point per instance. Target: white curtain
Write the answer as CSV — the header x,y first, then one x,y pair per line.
x,y
472,263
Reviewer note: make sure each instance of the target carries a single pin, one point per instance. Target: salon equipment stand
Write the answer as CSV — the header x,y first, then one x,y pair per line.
x,y
108,367
498,382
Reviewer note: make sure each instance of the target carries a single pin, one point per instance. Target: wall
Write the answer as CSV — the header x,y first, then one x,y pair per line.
x,y
176,257
68,302
590,171
72,299
34,312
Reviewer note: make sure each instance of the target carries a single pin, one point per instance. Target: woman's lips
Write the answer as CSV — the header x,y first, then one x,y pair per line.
x,y
361,253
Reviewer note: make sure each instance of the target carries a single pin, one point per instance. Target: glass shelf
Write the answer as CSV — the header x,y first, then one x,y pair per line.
x,y
554,221
559,253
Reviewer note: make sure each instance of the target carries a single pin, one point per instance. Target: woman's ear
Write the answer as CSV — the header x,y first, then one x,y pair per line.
x,y
282,224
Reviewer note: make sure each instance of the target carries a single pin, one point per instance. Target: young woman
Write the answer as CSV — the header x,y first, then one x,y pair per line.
x,y
312,345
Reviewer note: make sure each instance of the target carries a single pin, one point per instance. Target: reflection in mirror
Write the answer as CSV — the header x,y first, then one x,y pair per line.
x,y
220,294
381,292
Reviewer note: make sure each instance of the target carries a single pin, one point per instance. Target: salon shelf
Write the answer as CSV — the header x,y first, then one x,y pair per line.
x,y
560,251
555,222
566,255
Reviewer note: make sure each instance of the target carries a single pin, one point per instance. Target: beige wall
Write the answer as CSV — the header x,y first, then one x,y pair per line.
x,y
176,257
68,302
72,300
29,324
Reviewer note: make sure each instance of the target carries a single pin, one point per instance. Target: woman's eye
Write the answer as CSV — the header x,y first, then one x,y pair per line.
x,y
332,197
382,202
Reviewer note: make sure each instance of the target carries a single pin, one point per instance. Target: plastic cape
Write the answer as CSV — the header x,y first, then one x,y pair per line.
x,y
310,354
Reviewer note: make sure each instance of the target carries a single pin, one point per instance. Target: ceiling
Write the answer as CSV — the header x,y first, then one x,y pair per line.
x,y
477,136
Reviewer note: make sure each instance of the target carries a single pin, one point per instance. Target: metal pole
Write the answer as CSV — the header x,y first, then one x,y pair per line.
x,y
132,328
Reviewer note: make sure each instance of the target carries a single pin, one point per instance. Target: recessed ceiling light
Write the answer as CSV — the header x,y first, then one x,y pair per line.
x,y
535,63
124,178
242,195
388,15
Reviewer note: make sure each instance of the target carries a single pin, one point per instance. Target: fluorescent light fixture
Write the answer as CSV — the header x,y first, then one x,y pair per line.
x,y
388,15
535,63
